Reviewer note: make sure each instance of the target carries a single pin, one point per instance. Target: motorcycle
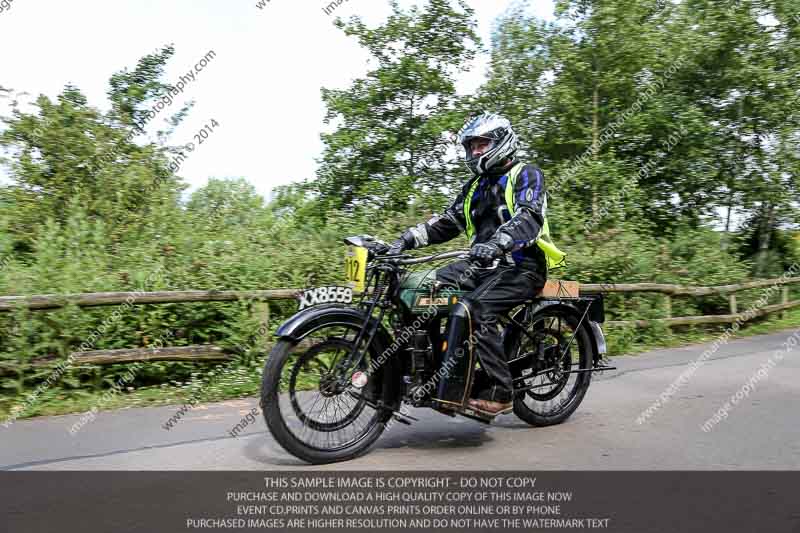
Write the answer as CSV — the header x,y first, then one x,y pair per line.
x,y
339,374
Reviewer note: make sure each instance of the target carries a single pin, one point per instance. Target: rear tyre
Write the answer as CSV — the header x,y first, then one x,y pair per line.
x,y
555,393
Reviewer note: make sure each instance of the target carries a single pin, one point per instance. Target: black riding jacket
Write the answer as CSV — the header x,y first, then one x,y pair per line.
x,y
490,216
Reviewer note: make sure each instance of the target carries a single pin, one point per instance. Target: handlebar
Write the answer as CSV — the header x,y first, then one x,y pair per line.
x,y
453,254
435,257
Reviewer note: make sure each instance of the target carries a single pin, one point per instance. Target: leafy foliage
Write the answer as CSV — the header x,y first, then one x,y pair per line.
x,y
667,132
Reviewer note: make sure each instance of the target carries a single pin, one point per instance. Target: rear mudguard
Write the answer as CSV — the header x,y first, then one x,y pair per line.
x,y
575,307
385,373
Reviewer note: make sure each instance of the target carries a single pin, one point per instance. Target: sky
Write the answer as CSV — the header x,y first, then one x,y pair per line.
x,y
262,87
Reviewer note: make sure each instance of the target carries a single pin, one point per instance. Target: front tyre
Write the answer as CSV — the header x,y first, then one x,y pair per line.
x,y
307,409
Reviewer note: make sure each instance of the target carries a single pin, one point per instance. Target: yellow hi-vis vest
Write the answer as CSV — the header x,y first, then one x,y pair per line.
x,y
555,257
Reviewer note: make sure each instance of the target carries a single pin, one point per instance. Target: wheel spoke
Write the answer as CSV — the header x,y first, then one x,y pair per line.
x,y
553,388
329,418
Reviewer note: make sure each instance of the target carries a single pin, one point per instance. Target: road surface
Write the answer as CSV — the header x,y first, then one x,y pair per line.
x,y
760,432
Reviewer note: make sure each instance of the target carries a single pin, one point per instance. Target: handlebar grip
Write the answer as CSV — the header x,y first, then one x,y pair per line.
x,y
494,265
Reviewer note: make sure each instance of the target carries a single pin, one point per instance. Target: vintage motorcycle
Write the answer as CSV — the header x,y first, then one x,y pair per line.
x,y
340,374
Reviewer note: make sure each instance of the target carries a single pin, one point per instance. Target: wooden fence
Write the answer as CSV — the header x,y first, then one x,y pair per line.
x,y
215,353
669,291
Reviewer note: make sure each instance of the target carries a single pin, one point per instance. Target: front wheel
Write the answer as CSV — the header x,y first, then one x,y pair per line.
x,y
310,404
558,367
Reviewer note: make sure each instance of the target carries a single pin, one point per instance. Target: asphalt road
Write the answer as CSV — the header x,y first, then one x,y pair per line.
x,y
760,433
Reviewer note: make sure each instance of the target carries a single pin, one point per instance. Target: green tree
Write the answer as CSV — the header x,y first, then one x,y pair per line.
x,y
746,86
390,144
600,95
229,203
589,96
66,150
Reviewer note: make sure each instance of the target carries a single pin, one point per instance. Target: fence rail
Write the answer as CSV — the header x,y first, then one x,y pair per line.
x,y
669,291
95,299
683,290
216,353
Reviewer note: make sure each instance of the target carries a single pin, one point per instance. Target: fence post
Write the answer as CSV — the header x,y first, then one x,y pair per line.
x,y
732,300
784,299
261,313
668,305
734,308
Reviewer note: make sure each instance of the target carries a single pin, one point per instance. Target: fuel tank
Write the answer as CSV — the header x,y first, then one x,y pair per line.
x,y
421,294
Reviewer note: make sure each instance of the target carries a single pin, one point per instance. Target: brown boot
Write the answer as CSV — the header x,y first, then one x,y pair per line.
x,y
491,408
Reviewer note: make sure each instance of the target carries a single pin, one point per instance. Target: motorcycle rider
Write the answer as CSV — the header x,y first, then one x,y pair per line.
x,y
502,209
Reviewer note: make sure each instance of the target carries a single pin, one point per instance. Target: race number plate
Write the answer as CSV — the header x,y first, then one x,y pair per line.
x,y
325,295
355,263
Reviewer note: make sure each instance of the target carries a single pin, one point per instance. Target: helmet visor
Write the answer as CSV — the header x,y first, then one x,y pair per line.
x,y
477,146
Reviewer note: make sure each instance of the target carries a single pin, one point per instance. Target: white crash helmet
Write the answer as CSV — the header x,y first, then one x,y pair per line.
x,y
495,128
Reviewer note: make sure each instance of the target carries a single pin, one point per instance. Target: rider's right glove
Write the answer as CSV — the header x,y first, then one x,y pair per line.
x,y
405,242
483,253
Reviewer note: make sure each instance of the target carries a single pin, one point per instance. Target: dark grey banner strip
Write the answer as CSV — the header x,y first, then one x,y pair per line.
x,y
314,501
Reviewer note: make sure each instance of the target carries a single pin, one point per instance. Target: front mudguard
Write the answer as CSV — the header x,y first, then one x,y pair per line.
x,y
576,307
385,372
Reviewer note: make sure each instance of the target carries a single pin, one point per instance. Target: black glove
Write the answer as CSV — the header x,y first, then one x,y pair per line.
x,y
484,253
497,246
405,242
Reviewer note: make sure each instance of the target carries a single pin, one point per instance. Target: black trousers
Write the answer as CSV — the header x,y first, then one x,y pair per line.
x,y
491,292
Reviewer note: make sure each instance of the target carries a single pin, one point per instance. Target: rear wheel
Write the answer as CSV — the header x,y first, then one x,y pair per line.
x,y
309,401
550,389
